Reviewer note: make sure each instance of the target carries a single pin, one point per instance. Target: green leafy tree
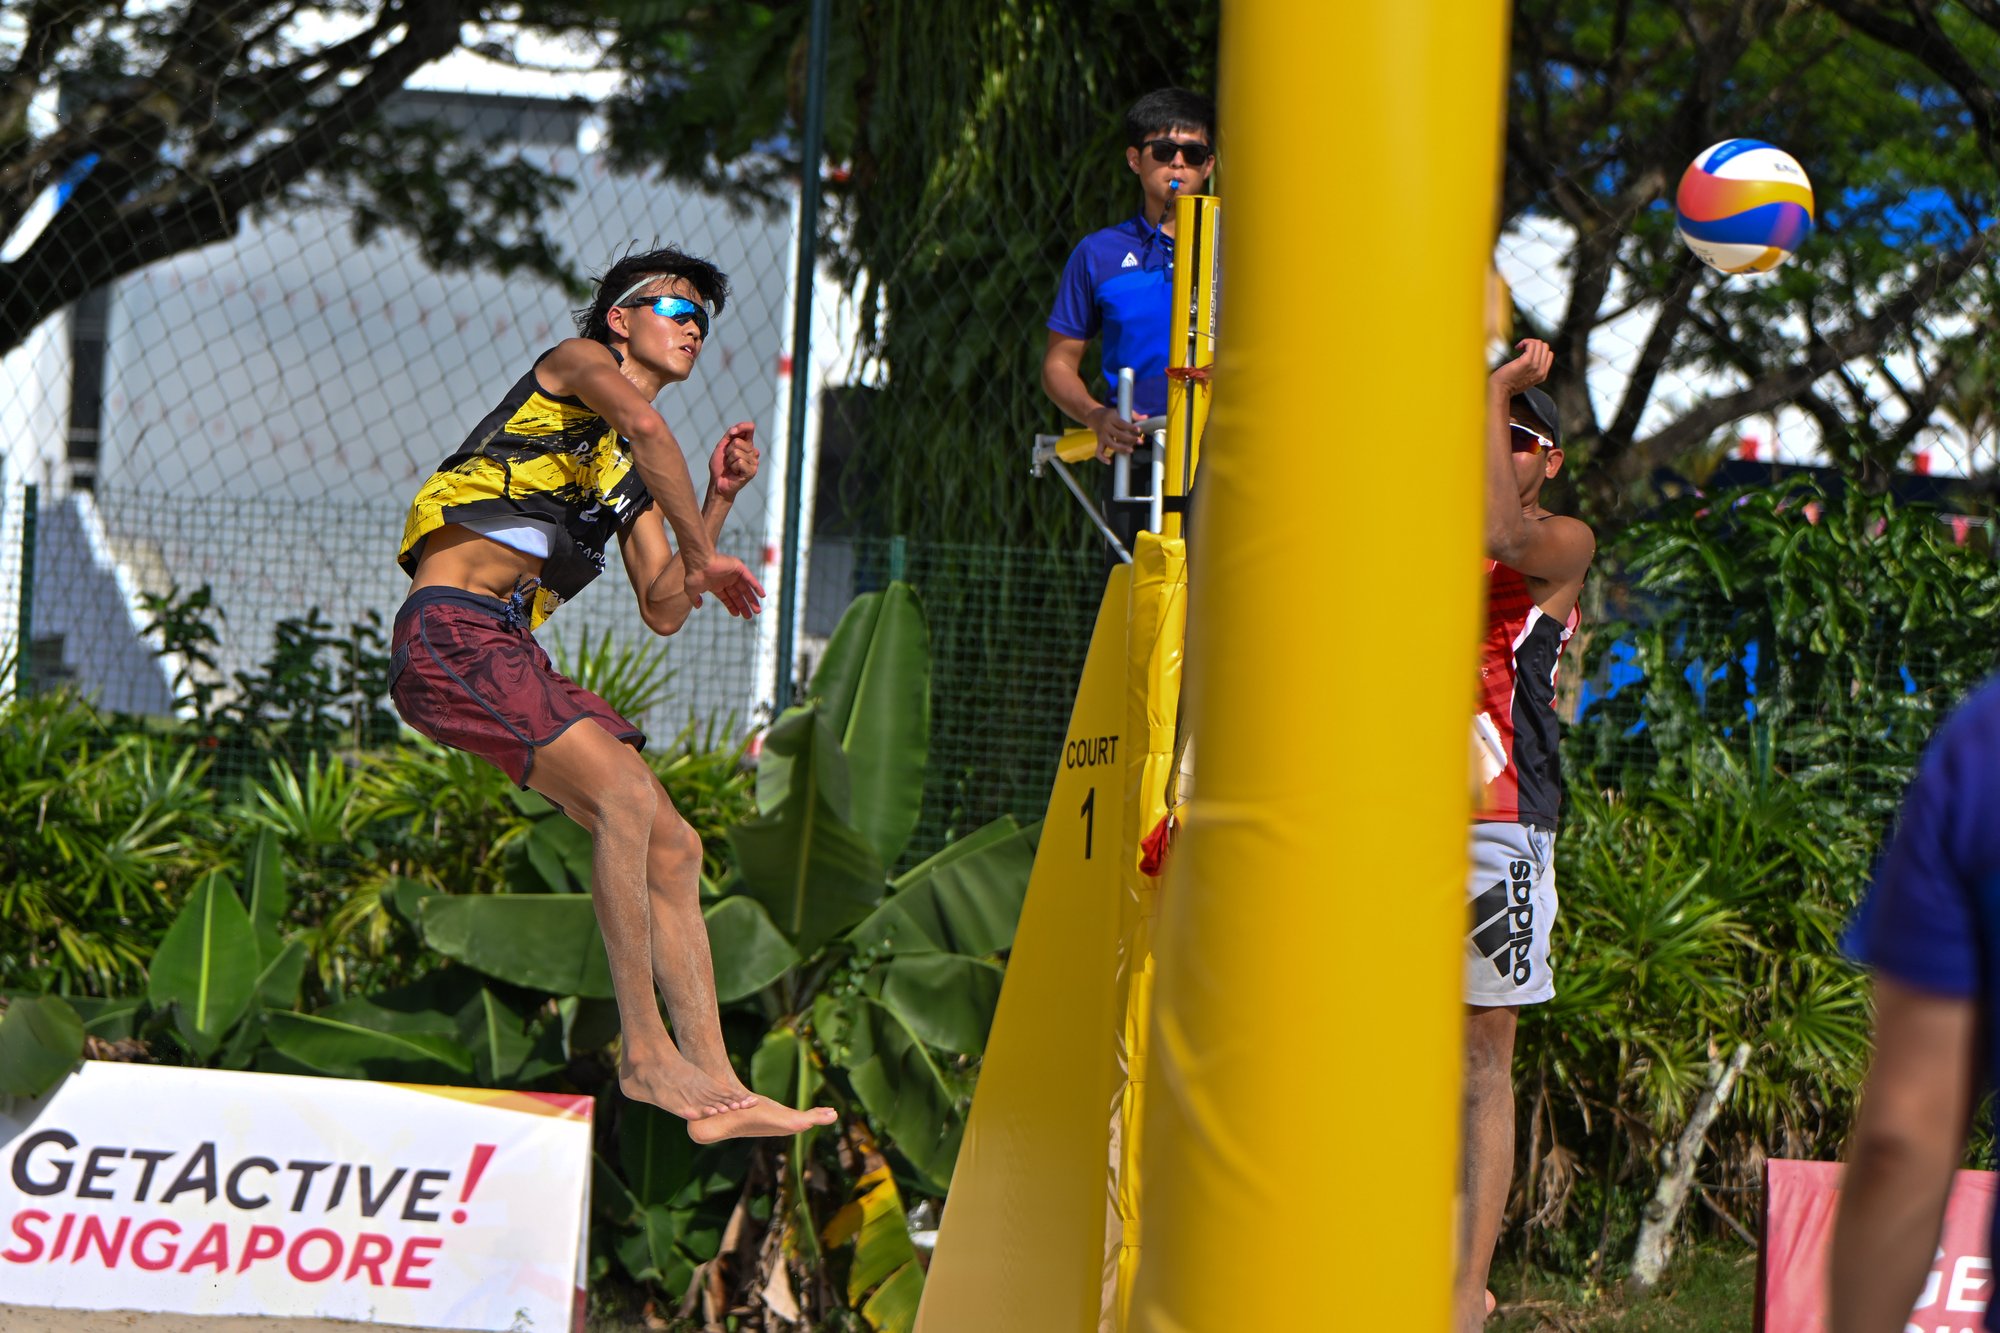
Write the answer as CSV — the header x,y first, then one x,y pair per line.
x,y
1785,653
977,143
1607,104
101,832
174,122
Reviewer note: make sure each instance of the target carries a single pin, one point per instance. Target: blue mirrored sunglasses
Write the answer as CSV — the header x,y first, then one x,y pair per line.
x,y
677,308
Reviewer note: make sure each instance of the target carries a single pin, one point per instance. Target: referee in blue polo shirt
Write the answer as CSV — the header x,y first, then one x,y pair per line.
x,y
1930,930
1118,283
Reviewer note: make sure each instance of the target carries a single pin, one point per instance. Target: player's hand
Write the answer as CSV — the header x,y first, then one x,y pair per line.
x,y
1528,369
1115,435
735,460
731,582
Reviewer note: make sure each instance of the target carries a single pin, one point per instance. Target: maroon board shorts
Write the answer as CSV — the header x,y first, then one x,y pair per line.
x,y
465,671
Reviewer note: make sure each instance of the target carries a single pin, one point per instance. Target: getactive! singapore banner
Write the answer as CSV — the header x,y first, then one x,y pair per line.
x,y
198,1191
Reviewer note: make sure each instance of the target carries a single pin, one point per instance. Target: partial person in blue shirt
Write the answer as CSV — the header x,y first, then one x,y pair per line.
x,y
1118,283
1930,930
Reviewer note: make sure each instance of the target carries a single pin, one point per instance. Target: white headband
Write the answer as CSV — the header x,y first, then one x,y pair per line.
x,y
633,290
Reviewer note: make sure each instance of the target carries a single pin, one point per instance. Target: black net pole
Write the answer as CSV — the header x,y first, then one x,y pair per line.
x,y
802,306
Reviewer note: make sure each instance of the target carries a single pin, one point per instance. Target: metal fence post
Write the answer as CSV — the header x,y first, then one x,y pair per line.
x,y
25,632
808,267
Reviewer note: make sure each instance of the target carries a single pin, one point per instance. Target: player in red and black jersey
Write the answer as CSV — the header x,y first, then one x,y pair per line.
x,y
1535,567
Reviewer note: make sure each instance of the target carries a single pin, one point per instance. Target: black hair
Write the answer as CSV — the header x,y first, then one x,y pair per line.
x,y
667,262
1168,109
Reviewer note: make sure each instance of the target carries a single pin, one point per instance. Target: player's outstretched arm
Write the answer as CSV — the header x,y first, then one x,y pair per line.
x,y
658,575
1555,549
586,369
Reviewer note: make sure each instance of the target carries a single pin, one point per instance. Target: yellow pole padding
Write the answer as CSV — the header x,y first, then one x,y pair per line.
x,y
1191,343
1028,1224
1302,1108
1499,320
1154,644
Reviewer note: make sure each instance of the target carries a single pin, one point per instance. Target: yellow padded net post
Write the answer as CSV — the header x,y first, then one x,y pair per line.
x,y
1302,1103
1191,345
1154,646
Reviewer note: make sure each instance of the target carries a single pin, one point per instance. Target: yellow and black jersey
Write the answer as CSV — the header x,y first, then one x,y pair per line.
x,y
543,457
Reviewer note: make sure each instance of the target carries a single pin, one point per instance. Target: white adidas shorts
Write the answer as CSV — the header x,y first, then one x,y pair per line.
x,y
1511,894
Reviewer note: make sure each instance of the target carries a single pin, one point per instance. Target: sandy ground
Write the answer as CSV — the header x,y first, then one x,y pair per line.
x,y
39,1319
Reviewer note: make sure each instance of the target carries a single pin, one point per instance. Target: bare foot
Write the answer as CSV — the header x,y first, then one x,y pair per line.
x,y
724,1074
677,1087
765,1119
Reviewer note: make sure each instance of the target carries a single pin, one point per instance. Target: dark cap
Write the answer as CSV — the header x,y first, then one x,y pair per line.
x,y
1540,408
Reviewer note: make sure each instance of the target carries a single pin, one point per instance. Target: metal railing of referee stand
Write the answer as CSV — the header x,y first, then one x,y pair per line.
x,y
1077,446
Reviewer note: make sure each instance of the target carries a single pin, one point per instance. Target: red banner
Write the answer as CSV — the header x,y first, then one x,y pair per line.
x,y
1800,1199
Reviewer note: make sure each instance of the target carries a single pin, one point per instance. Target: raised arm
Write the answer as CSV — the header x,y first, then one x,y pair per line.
x,y
587,370
657,574
1551,548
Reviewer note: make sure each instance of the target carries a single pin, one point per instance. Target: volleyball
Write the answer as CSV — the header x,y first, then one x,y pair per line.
x,y
1744,206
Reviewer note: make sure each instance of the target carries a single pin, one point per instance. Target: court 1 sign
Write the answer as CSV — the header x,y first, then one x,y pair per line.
x,y
197,1191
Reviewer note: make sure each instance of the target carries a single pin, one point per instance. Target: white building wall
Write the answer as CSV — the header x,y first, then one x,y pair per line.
x,y
272,404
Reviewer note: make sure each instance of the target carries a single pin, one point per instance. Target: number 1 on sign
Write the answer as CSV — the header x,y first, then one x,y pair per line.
x,y
1089,813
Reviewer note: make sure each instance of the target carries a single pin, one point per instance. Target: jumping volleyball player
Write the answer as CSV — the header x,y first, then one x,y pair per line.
x,y
513,524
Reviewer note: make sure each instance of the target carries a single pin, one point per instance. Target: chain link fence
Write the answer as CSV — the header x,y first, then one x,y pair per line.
x,y
251,417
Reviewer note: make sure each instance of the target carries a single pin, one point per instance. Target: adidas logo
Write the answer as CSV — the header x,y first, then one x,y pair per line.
x,y
1503,924
1131,260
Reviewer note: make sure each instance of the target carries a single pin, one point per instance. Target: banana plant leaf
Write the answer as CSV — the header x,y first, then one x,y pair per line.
x,y
814,873
499,1035
41,1040
113,1019
893,1307
283,974
557,852
207,965
946,999
405,898
675,1197
885,1279
610,1201
268,896
651,1252
918,1105
587,1025
431,1003
784,1069
966,899
547,942
347,1050
749,951
655,1152
873,687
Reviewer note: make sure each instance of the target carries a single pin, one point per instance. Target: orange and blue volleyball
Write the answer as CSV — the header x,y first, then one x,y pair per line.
x,y
1744,206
